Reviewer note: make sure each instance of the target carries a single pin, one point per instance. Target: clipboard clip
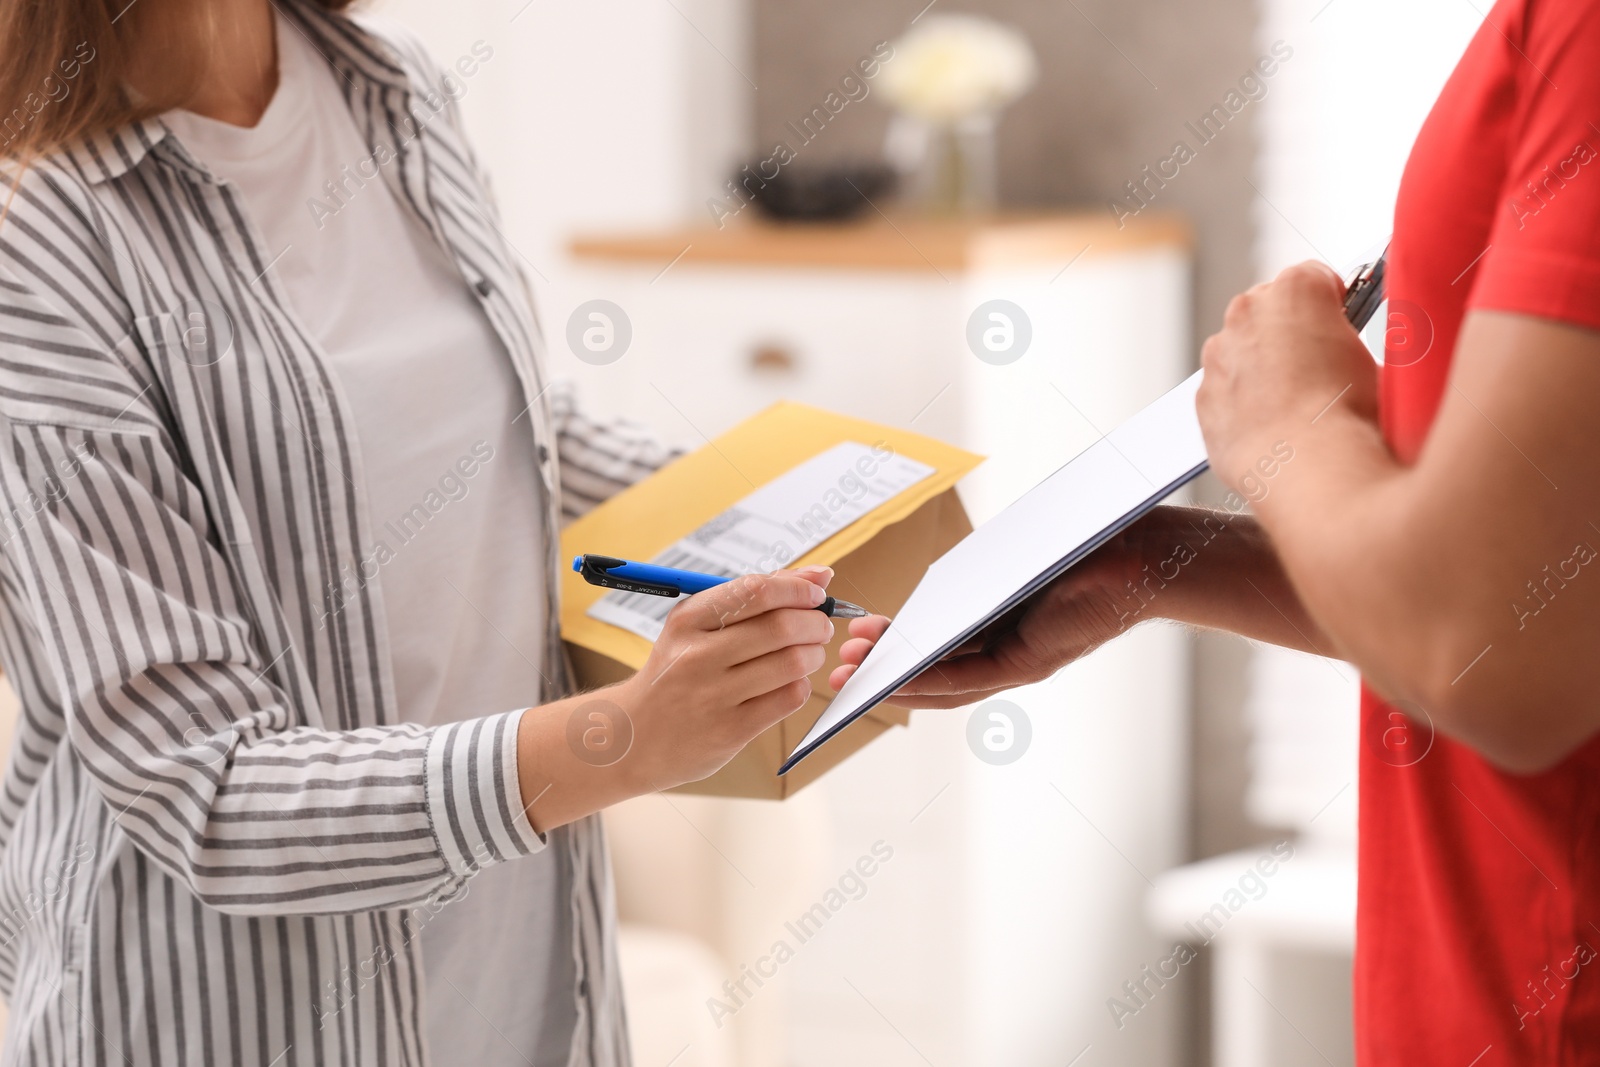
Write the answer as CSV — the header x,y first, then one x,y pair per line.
x,y
1366,291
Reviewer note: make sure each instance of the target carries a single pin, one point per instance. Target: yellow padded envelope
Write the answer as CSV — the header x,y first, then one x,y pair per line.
x,y
649,517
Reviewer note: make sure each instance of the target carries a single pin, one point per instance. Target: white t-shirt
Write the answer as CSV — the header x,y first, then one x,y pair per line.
x,y
451,488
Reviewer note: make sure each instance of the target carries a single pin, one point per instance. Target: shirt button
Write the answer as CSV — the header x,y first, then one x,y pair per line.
x,y
544,454
583,988
483,286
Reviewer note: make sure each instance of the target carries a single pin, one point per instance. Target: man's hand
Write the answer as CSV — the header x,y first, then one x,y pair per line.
x,y
1079,612
1212,569
1285,360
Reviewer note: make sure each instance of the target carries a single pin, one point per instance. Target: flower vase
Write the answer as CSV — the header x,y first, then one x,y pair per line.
x,y
960,172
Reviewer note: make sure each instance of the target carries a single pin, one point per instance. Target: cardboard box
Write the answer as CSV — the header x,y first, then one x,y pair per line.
x,y
877,560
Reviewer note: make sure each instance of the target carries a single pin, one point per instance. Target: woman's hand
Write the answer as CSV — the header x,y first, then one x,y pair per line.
x,y
1074,615
730,662
1285,359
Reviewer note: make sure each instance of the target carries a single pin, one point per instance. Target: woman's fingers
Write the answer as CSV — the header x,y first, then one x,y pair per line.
x,y
870,627
854,651
779,649
773,671
757,636
815,574
864,635
744,598
767,708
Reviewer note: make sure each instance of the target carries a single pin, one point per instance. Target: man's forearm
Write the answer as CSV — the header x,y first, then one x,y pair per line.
x,y
1419,569
1217,569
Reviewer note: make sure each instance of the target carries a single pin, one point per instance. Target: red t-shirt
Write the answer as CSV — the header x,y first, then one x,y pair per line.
x,y
1478,931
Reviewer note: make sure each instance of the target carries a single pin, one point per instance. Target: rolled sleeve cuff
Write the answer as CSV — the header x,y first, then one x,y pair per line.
x,y
474,795
1543,284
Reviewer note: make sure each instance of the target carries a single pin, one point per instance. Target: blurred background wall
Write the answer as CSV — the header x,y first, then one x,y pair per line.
x,y
1116,83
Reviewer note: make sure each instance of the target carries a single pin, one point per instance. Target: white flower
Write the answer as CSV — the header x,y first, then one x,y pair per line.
x,y
953,67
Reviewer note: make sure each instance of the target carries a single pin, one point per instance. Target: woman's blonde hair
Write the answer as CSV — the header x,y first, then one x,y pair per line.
x,y
66,65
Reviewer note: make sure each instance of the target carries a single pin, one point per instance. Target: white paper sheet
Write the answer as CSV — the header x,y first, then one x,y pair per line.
x,y
773,526
1052,526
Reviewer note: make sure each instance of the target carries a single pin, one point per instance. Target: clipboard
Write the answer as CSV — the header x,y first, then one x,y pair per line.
x,y
1055,524
1086,502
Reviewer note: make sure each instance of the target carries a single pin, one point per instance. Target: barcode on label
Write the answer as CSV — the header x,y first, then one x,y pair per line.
x,y
655,608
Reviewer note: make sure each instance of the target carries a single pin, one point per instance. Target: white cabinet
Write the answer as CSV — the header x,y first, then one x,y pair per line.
x,y
1282,956
872,320
1012,909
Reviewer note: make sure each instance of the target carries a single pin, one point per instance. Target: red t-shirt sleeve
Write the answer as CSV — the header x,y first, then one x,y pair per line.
x,y
1543,257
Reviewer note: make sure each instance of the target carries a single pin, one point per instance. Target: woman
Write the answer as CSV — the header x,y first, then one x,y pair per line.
x,y
1437,527
279,579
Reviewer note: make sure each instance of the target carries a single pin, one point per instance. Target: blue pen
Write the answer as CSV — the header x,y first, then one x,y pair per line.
x,y
670,582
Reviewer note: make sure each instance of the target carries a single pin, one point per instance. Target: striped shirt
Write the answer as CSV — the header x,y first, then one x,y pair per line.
x,y
218,841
